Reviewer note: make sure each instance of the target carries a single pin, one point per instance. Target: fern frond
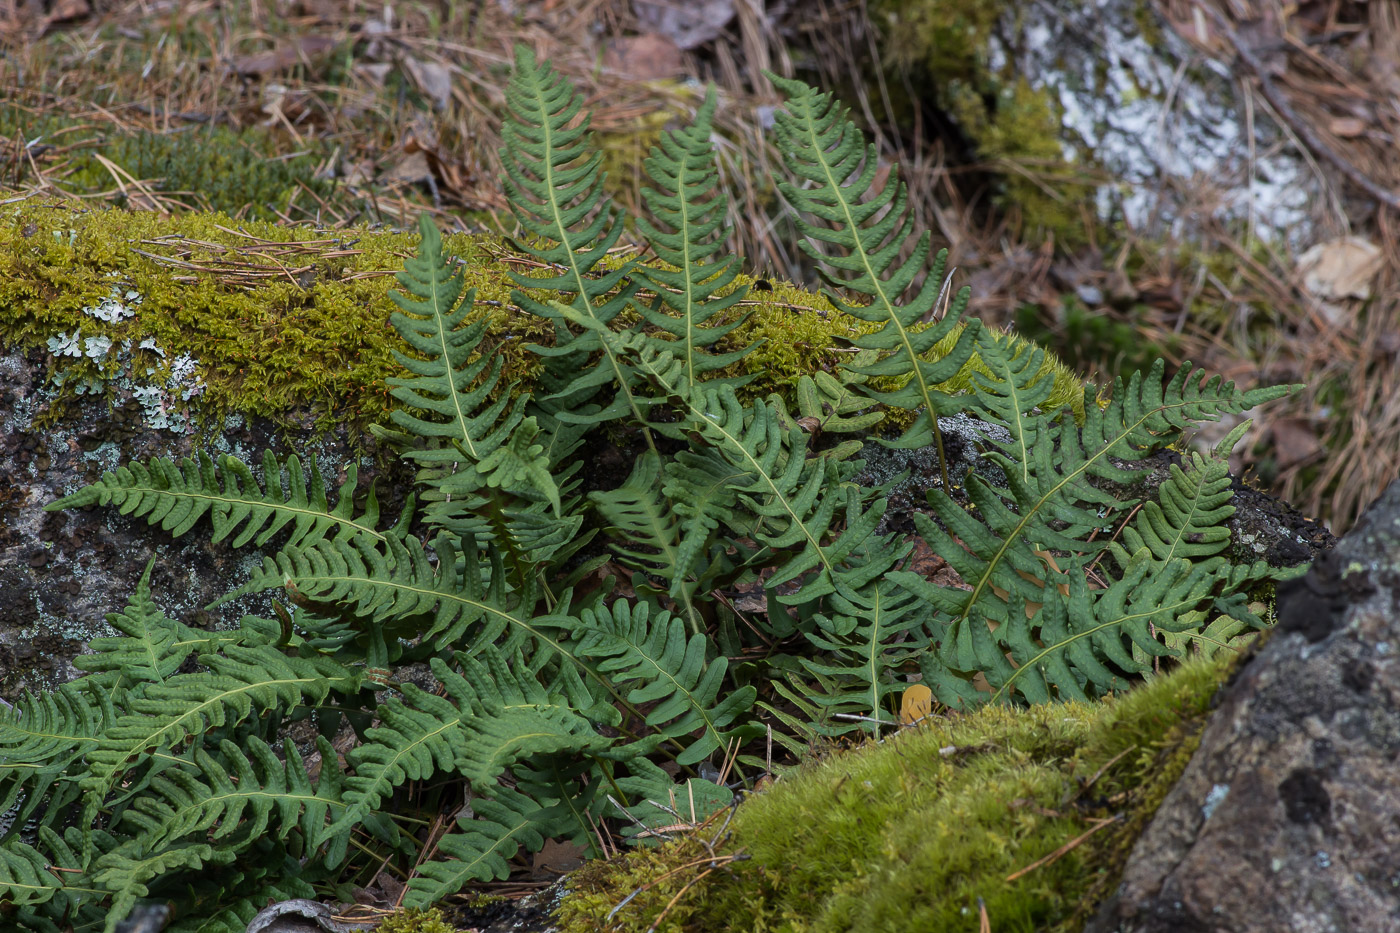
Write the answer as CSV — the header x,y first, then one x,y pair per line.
x,y
675,517
520,466
502,824
42,736
150,648
24,875
648,650
659,802
688,231
555,190
491,715
175,497
1190,519
447,385
240,680
394,585
859,233
245,791
126,870
860,650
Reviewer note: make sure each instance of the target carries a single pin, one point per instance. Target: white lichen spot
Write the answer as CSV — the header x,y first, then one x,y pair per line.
x,y
1215,798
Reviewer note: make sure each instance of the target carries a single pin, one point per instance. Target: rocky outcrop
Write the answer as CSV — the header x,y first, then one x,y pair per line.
x,y
1288,817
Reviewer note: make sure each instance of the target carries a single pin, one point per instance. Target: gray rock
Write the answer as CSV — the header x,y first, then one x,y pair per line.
x,y
1288,817
62,573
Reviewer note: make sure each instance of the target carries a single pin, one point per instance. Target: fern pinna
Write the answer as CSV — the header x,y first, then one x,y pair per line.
x,y
480,657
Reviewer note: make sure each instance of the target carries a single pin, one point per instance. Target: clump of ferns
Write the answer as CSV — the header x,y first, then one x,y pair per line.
x,y
556,708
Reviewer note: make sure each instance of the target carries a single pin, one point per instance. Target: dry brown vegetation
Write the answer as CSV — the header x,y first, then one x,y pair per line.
x,y
387,110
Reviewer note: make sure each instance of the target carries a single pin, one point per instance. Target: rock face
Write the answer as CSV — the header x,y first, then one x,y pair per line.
x,y
62,573
1288,817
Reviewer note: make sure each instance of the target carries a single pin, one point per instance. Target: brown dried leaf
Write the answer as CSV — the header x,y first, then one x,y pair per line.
x,y
284,56
646,57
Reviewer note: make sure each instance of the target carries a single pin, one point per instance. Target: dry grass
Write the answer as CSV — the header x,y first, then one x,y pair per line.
x,y
401,104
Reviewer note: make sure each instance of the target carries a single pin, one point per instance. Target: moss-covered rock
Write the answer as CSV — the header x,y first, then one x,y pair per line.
x,y
199,318
1027,813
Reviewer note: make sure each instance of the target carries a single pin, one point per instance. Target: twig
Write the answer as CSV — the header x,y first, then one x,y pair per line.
x,y
1285,110
1063,850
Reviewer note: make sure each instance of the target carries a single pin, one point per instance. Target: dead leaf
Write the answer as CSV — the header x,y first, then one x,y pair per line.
x,y
432,78
283,56
647,57
1347,127
409,170
1295,441
1341,268
916,703
557,858
687,24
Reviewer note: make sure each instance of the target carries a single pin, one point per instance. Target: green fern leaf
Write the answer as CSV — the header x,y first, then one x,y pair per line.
x,y
42,737
151,648
490,716
520,466
24,875
447,385
479,852
868,230
239,681
261,796
126,870
689,230
860,650
556,193
176,497
1190,519
668,669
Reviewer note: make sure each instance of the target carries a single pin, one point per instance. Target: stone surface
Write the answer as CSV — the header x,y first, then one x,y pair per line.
x,y
62,573
1288,817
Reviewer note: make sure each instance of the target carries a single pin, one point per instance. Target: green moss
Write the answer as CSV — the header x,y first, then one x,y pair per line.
x,y
292,324
911,836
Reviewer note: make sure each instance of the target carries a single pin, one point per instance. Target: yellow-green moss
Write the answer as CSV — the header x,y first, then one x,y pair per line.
x,y
310,333
909,835
1015,128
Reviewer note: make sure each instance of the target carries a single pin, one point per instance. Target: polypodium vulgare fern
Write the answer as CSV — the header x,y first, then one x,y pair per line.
x,y
491,666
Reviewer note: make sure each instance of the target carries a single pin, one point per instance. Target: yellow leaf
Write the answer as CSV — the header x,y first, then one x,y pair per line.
x,y
916,704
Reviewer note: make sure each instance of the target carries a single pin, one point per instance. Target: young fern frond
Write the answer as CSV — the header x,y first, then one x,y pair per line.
x,y
555,191
177,496
684,201
869,229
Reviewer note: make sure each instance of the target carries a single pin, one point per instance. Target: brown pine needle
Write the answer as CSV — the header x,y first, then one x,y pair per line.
x,y
1062,850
